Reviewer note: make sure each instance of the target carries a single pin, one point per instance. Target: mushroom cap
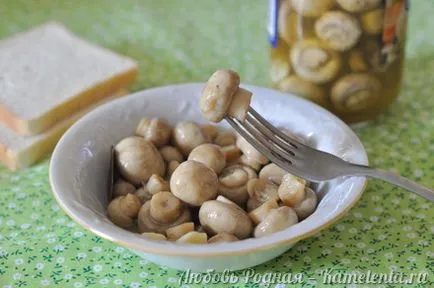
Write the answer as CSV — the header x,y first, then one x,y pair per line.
x,y
288,24
165,207
340,31
308,205
233,182
217,94
210,155
146,223
273,173
137,159
355,92
218,217
194,183
157,131
187,135
312,61
277,220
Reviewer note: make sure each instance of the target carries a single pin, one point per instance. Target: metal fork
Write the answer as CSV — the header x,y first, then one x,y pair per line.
x,y
306,162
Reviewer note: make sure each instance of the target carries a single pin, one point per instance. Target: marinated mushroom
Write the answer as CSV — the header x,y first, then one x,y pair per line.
x,y
372,21
287,29
146,222
137,159
156,184
232,153
225,138
222,237
218,93
219,217
308,205
356,6
312,8
122,188
298,86
155,130
259,214
174,233
143,194
250,151
170,153
123,209
210,155
312,61
355,92
187,135
154,236
211,131
260,191
233,182
246,161
194,183
165,207
339,31
291,190
277,220
193,237
273,173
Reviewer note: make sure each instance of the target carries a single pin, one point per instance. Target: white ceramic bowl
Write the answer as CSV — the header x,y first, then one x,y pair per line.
x,y
80,162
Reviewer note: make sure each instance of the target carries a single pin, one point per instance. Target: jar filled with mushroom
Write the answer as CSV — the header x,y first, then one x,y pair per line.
x,y
199,183
345,55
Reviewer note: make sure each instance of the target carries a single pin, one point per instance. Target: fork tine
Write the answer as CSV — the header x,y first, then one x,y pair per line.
x,y
269,143
269,153
259,126
263,122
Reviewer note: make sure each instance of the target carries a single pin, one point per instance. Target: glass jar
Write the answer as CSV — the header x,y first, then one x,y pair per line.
x,y
345,55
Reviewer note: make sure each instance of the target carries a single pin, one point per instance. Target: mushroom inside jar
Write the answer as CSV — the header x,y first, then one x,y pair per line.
x,y
201,185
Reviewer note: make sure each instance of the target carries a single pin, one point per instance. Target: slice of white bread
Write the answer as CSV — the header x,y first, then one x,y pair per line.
x,y
17,151
48,73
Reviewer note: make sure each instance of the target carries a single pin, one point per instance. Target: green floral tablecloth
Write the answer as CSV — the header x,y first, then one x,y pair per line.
x,y
176,41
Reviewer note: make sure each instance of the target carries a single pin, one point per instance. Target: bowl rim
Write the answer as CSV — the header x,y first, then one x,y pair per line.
x,y
155,247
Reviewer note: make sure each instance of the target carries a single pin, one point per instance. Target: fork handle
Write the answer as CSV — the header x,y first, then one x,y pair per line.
x,y
360,170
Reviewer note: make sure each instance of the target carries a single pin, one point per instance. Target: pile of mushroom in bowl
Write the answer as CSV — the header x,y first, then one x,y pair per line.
x,y
200,184
192,193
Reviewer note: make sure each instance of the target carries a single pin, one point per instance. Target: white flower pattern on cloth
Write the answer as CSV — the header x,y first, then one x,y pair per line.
x,y
389,227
